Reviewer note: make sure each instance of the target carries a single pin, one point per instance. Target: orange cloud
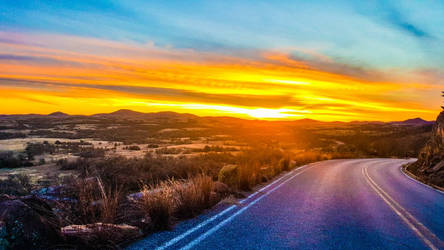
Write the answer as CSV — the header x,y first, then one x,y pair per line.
x,y
44,73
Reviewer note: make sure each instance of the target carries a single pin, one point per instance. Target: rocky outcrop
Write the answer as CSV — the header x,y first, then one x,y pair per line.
x,y
27,223
430,164
229,175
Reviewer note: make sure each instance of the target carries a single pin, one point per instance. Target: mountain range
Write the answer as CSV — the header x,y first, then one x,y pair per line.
x,y
130,114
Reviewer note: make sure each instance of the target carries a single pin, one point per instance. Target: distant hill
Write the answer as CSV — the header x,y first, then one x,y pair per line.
x,y
307,121
121,113
58,114
413,122
128,114
134,115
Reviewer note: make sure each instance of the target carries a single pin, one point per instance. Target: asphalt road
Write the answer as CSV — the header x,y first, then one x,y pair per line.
x,y
337,204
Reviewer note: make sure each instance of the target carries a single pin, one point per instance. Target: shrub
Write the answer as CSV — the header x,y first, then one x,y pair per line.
x,y
79,164
307,157
133,147
285,164
19,184
266,173
34,149
8,160
92,152
249,175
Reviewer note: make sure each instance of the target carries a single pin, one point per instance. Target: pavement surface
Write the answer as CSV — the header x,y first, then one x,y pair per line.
x,y
336,204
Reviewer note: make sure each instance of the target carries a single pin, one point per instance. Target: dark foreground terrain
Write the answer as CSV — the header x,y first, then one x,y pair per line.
x,y
337,204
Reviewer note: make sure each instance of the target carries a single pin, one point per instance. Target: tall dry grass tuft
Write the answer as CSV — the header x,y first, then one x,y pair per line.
x,y
86,193
193,196
249,176
109,203
176,199
96,202
158,203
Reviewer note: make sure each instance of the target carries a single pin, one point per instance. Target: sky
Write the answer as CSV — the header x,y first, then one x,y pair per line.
x,y
324,60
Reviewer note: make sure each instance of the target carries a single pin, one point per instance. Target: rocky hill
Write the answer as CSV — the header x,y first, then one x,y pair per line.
x,y
413,122
430,164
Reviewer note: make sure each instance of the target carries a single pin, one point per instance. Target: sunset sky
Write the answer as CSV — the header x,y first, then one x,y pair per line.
x,y
325,60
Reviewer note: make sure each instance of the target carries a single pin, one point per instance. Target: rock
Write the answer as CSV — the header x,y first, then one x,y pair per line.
x,y
6,197
221,188
229,175
430,164
98,234
28,224
220,191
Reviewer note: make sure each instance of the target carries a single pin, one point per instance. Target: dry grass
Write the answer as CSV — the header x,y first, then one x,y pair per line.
x,y
96,203
109,202
231,200
176,199
158,203
193,196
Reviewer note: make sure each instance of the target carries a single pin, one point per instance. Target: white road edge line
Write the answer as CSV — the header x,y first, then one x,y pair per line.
x,y
392,206
221,224
204,223
406,213
413,179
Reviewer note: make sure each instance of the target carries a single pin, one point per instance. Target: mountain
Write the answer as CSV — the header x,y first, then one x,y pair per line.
x,y
134,115
413,122
127,114
58,114
430,164
123,113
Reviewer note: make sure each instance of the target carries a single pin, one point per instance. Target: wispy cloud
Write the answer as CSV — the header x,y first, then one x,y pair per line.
x,y
96,75
398,20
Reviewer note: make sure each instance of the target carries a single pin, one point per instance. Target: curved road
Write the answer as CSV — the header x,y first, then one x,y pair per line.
x,y
337,204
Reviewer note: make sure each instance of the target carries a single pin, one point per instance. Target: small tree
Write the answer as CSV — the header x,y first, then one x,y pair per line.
x,y
442,96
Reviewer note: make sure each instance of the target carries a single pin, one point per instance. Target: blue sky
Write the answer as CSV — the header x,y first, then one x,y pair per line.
x,y
368,33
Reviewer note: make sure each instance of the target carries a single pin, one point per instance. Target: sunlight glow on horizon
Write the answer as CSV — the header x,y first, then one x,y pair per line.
x,y
260,113
99,76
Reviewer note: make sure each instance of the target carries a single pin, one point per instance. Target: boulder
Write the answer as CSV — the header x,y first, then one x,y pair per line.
x,y
28,224
221,188
229,175
100,234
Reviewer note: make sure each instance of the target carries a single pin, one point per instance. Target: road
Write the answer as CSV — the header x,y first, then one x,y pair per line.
x,y
337,204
